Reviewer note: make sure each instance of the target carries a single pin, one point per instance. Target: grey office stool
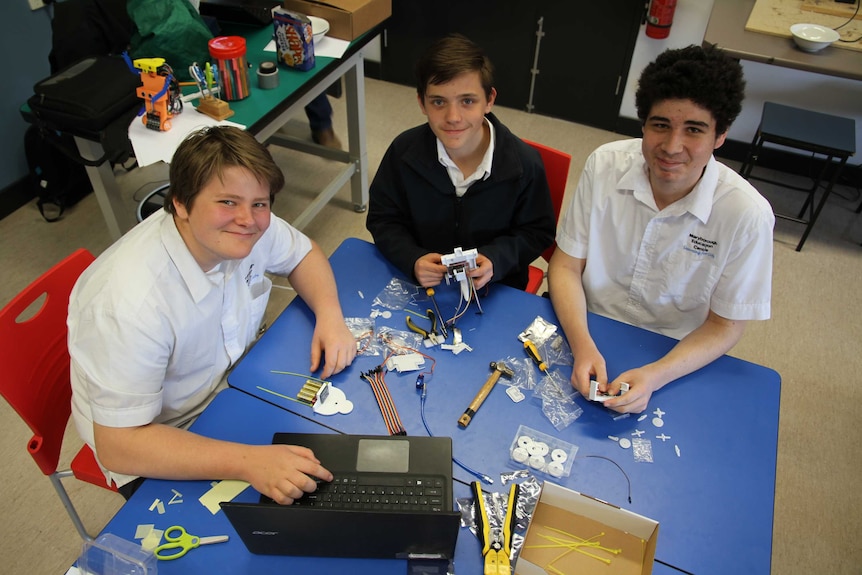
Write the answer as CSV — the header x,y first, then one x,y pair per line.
x,y
152,202
823,134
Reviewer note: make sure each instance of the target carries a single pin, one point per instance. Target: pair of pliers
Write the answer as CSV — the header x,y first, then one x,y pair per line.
x,y
430,337
496,542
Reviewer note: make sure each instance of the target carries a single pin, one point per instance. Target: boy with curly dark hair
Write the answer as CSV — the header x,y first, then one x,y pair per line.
x,y
661,235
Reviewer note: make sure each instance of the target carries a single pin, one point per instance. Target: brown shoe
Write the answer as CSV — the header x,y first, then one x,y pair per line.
x,y
326,138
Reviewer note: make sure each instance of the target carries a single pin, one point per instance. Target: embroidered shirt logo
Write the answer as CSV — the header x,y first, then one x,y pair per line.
x,y
701,245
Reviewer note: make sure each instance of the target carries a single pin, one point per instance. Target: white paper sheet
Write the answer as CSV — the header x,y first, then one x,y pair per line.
x,y
151,146
328,47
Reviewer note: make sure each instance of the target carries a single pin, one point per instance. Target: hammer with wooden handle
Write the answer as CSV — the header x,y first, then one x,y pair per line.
x,y
499,369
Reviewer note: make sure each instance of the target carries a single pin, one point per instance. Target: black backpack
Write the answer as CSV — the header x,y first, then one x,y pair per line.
x,y
55,179
89,92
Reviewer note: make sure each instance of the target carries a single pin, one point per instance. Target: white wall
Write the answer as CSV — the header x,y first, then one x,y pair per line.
x,y
808,90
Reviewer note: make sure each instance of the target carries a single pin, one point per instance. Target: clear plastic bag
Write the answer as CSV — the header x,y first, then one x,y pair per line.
x,y
399,341
558,400
523,373
397,294
362,329
557,351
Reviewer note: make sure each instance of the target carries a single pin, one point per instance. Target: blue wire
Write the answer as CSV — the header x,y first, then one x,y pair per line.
x,y
469,470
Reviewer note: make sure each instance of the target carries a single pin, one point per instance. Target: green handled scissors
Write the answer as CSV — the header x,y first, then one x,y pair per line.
x,y
178,538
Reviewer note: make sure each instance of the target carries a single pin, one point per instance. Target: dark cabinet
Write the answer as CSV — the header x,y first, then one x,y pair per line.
x,y
584,50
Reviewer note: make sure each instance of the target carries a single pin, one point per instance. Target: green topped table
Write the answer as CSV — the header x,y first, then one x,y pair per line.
x,y
263,113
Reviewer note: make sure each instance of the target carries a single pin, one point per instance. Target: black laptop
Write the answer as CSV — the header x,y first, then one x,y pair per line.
x,y
391,498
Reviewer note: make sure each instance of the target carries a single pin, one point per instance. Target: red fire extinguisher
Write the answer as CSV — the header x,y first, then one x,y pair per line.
x,y
660,18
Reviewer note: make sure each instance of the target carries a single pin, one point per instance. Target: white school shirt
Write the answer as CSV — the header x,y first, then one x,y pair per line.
x,y
151,335
664,270
483,170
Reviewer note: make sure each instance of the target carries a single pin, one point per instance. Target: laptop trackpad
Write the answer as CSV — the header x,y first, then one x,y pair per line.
x,y
383,455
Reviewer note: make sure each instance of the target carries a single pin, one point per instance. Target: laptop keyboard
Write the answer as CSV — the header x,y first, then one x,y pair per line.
x,y
378,493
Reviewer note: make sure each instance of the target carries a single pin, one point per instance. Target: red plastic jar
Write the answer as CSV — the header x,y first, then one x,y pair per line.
x,y
228,54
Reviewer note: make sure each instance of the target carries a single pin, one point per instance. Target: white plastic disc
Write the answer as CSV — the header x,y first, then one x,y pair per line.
x,y
559,455
525,441
555,468
537,461
657,421
625,442
520,454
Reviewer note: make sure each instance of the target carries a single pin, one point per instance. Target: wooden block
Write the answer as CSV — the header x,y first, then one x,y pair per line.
x,y
214,108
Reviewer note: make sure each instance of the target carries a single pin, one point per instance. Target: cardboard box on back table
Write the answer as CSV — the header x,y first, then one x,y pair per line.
x,y
348,19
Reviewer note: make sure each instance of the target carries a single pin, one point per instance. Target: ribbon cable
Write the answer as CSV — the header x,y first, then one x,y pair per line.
x,y
385,402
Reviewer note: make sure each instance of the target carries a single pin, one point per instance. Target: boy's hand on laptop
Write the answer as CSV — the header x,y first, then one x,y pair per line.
x,y
284,472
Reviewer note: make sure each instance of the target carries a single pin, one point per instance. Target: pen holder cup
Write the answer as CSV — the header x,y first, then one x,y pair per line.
x,y
228,54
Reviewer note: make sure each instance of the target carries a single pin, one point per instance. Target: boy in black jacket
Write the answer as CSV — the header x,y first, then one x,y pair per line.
x,y
461,180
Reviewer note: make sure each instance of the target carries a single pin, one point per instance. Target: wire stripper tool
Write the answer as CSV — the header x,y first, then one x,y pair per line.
x,y
496,542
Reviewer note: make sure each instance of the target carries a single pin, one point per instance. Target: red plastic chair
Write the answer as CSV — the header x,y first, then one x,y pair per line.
x,y
35,379
557,171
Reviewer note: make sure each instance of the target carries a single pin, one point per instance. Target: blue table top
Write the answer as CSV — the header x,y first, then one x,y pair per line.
x,y
714,501
251,421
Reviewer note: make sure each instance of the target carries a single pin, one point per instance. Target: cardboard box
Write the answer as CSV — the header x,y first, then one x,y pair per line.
x,y
348,19
563,510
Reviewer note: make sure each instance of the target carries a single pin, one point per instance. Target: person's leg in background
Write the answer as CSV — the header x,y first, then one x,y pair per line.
x,y
319,113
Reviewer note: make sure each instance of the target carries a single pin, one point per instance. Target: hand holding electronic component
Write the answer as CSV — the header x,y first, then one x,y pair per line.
x,y
428,270
458,263
602,396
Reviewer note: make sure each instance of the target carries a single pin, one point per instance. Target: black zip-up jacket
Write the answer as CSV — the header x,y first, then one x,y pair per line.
x,y
508,218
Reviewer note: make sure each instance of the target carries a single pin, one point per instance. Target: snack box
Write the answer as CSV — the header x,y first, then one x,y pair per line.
x,y
563,516
293,39
348,19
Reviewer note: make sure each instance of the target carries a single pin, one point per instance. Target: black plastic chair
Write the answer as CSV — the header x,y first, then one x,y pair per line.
x,y
152,202
815,132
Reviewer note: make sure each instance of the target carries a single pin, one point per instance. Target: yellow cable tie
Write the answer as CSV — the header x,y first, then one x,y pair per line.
x,y
560,556
416,313
602,559
564,543
567,534
311,377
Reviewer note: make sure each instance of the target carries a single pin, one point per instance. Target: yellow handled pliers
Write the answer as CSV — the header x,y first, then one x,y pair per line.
x,y
429,336
496,542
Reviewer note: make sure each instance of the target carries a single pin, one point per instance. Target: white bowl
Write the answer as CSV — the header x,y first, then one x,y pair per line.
x,y
319,28
812,37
